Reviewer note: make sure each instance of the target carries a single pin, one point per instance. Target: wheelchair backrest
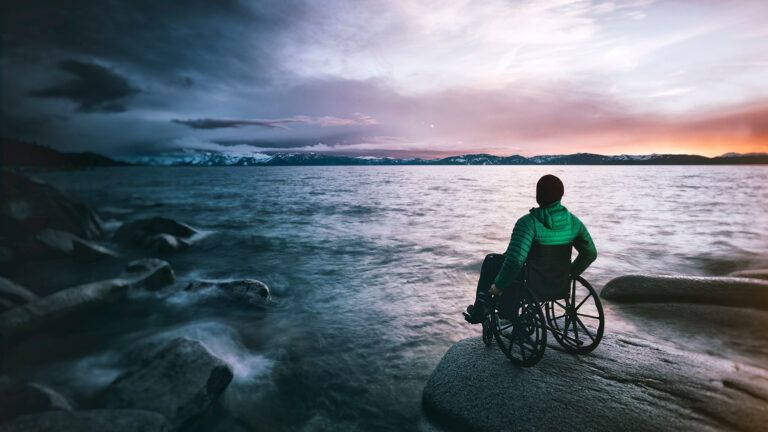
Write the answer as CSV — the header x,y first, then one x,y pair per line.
x,y
548,270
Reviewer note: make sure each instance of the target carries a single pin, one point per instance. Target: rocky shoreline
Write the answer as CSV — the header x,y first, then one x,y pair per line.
x,y
167,388
671,368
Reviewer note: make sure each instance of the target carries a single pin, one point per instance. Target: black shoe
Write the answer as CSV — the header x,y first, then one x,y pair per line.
x,y
475,315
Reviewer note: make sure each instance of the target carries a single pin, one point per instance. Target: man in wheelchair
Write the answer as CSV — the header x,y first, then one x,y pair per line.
x,y
543,239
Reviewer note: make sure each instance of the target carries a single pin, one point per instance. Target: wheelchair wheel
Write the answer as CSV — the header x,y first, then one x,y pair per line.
x,y
522,337
577,322
487,331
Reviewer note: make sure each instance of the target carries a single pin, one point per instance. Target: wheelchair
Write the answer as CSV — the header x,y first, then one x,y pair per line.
x,y
547,300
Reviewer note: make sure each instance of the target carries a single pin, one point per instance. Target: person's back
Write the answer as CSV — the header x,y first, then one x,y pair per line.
x,y
542,229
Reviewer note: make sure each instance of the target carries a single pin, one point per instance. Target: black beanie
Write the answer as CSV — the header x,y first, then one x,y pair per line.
x,y
548,190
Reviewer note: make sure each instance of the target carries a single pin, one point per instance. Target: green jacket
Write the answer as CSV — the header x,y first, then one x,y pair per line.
x,y
550,225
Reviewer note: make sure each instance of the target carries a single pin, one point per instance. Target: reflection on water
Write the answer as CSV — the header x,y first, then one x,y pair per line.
x,y
369,269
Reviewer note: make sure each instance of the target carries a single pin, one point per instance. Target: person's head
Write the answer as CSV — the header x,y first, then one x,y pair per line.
x,y
548,190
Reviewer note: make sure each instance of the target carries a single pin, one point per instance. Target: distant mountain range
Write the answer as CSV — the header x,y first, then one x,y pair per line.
x,y
20,154
224,159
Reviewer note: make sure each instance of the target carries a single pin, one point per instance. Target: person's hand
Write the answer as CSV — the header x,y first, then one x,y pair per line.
x,y
495,291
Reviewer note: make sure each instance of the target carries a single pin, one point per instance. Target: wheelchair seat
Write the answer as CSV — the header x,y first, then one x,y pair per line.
x,y
548,271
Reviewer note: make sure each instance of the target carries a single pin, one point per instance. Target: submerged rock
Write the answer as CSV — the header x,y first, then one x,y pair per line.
x,y
249,291
724,291
752,274
90,421
180,381
626,384
18,399
12,295
71,302
158,234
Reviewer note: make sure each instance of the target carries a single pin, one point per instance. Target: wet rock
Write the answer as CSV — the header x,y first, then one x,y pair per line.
x,y
90,421
86,251
180,381
165,243
627,383
149,273
18,399
157,233
724,291
752,274
71,302
249,291
12,295
30,205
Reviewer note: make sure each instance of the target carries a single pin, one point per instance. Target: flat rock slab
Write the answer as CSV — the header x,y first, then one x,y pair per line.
x,y
89,421
180,381
626,384
752,274
723,291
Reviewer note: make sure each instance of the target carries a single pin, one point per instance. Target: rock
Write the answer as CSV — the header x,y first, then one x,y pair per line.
x,y
165,243
242,291
18,399
180,381
90,421
55,242
752,274
157,233
86,251
626,383
29,206
12,295
724,291
149,274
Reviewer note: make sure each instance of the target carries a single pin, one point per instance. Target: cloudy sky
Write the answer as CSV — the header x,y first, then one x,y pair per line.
x,y
396,78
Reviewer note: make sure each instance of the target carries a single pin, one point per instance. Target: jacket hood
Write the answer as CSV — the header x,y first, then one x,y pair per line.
x,y
552,216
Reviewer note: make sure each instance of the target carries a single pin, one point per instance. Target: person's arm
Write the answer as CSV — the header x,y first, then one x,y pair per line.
x,y
585,246
517,252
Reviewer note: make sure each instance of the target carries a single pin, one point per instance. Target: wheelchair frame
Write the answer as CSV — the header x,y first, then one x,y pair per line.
x,y
522,337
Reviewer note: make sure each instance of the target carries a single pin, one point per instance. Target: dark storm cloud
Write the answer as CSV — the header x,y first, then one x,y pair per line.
x,y
210,123
93,88
358,119
226,38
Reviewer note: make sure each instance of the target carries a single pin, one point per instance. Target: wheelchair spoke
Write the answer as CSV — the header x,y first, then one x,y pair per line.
x,y
511,324
585,329
587,316
582,302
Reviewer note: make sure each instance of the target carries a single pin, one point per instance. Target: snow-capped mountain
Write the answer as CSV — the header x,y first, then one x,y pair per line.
x,y
208,158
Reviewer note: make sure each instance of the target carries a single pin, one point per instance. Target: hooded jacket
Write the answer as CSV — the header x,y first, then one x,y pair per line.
x,y
547,225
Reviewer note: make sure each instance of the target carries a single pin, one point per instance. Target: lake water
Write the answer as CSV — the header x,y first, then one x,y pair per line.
x,y
369,269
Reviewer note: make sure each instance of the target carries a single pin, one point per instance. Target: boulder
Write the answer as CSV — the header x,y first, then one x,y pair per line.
x,y
752,274
12,295
180,381
626,384
18,399
29,206
157,233
723,291
148,274
249,291
90,421
165,243
55,242
87,251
